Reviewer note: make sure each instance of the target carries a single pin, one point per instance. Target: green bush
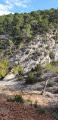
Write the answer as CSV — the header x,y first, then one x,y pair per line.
x,y
37,53
30,74
55,63
29,100
39,73
4,64
55,37
45,54
38,67
20,71
44,39
47,47
41,110
56,91
51,54
50,84
20,78
17,98
51,26
56,80
17,70
49,67
31,79
39,70
27,52
33,74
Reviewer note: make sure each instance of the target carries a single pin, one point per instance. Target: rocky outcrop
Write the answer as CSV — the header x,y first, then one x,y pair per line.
x,y
36,51
6,36
9,76
56,53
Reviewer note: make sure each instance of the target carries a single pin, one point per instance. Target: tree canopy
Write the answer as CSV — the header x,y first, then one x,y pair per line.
x,y
25,26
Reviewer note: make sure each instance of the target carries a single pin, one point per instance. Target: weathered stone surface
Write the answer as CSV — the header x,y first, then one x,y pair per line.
x,y
56,53
9,77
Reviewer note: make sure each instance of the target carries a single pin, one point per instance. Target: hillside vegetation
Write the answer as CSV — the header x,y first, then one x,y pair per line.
x,y
24,26
29,64
27,40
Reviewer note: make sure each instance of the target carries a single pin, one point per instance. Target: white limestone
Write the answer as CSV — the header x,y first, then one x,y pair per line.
x,y
9,77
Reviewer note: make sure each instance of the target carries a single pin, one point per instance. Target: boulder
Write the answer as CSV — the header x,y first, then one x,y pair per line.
x,y
9,77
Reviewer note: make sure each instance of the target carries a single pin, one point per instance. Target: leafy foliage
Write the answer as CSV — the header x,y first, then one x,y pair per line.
x,y
51,55
50,84
31,79
3,68
17,70
50,66
39,70
17,98
33,74
25,26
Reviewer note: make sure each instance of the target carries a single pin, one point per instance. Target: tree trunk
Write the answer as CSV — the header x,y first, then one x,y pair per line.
x,y
44,87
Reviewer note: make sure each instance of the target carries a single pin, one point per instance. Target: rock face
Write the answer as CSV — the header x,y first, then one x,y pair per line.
x,y
56,53
7,36
36,51
9,77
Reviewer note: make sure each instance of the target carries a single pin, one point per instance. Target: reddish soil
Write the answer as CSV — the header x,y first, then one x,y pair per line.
x,y
17,111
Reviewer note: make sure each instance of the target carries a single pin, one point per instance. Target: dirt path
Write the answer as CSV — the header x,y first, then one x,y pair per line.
x,y
17,111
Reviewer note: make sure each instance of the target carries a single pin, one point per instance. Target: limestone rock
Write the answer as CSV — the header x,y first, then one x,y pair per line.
x,y
9,77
